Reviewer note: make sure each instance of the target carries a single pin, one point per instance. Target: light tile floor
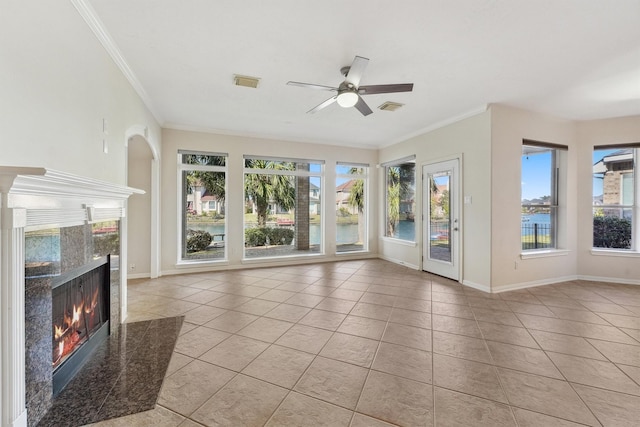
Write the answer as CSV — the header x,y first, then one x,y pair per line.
x,y
370,343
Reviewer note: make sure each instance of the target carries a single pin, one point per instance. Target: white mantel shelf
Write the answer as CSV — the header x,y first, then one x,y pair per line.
x,y
40,188
34,198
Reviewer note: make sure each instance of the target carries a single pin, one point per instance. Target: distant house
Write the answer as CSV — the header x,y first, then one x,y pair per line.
x,y
343,192
199,201
210,203
616,171
274,208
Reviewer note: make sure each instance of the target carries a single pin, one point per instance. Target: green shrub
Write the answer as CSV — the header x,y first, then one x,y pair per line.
x,y
280,236
611,232
197,240
255,236
274,235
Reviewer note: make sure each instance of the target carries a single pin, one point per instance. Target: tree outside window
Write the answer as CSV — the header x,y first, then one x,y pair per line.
x,y
351,229
282,207
615,205
400,200
203,185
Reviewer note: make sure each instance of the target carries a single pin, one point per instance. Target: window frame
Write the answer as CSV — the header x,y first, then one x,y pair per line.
x,y
555,198
365,214
634,206
398,163
182,205
292,173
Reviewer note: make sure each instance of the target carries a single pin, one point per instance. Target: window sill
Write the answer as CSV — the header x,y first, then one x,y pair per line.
x,y
544,253
615,253
399,241
198,263
352,253
283,258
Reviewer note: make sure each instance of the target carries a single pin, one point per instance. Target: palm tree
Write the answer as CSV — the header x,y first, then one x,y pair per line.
x,y
263,188
393,200
214,182
356,200
400,179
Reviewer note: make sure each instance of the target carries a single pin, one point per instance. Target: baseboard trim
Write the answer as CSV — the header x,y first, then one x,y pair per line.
x,y
478,286
139,276
399,262
533,284
610,280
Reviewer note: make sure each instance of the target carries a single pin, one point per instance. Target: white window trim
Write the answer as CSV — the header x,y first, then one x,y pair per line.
x,y
386,165
544,253
365,177
627,253
297,173
558,162
634,251
180,262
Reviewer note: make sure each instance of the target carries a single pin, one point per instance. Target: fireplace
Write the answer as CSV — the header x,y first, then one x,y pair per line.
x,y
53,228
80,318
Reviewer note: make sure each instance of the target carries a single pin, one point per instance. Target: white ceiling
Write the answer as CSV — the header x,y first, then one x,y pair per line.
x,y
575,59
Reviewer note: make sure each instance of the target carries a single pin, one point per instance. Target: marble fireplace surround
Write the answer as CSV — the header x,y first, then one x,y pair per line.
x,y
33,199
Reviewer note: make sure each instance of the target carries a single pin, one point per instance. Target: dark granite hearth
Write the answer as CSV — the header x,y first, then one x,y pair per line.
x,y
123,377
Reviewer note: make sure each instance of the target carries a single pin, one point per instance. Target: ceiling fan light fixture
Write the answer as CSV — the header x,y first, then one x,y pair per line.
x,y
347,99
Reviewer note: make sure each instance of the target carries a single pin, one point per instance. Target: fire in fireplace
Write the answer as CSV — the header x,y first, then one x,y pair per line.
x,y
80,310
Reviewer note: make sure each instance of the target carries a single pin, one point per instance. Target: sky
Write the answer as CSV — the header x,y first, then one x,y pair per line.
x,y
536,181
536,176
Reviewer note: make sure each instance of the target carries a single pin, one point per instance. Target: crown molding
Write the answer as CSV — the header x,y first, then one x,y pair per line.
x,y
265,136
90,16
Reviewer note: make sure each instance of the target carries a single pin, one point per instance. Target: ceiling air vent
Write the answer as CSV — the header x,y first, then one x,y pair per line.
x,y
390,106
246,81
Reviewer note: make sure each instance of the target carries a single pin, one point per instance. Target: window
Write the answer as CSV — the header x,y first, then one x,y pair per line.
x,y
283,211
539,194
400,189
615,197
351,190
203,186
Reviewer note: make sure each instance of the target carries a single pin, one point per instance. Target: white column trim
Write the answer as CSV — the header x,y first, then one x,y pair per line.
x,y
12,332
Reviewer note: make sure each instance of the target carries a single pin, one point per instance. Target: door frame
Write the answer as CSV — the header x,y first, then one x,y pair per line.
x,y
458,205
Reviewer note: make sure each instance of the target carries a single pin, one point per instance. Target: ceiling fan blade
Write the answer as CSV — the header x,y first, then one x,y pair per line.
x,y
356,70
312,86
373,89
323,105
363,107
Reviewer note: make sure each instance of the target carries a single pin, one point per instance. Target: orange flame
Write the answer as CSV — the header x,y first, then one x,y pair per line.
x,y
58,331
76,314
94,302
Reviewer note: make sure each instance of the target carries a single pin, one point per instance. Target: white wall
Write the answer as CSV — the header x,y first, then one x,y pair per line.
x,y
590,133
139,209
509,126
236,147
57,84
470,138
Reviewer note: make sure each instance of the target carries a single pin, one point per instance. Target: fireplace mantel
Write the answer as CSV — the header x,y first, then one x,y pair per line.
x,y
37,198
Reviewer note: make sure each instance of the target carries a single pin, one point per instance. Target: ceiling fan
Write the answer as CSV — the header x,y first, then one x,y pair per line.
x,y
350,92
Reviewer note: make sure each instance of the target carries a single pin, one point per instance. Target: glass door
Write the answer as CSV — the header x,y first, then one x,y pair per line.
x,y
441,224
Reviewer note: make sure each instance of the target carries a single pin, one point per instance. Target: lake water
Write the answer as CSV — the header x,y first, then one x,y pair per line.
x,y
346,233
537,218
529,220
